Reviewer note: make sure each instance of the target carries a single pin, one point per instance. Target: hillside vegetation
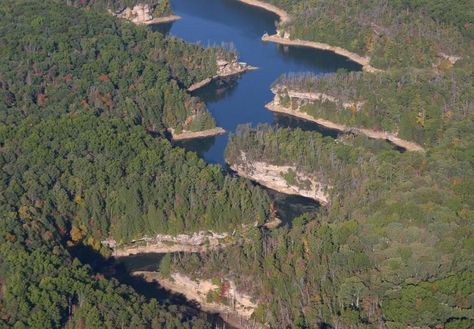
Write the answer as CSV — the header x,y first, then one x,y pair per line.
x,y
79,92
55,61
415,33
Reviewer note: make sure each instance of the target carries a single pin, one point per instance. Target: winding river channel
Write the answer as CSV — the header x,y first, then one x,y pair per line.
x,y
242,101
238,101
216,22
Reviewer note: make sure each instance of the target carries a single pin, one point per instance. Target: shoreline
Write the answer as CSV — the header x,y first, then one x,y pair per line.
x,y
361,60
270,176
238,316
374,134
205,82
284,16
161,248
202,241
186,135
161,20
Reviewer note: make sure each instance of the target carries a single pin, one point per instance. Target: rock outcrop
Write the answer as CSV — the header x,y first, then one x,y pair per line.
x,y
141,14
392,137
238,307
224,69
272,176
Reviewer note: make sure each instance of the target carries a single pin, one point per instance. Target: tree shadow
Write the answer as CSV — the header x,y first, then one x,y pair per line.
x,y
111,268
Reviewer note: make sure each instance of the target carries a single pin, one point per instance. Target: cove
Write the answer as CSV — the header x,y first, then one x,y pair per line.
x,y
230,22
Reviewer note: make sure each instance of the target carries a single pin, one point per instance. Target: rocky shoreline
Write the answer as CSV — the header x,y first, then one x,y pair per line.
x,y
237,311
225,69
285,40
275,106
271,176
165,243
141,14
363,61
185,135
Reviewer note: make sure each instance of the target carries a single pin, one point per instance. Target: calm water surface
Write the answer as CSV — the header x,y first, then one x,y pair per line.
x,y
216,22
229,22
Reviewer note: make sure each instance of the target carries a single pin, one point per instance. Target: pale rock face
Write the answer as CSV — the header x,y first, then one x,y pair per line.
x,y
139,14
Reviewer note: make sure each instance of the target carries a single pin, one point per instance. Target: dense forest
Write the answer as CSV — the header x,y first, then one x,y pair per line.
x,y
79,92
398,33
393,247
85,98
55,60
420,105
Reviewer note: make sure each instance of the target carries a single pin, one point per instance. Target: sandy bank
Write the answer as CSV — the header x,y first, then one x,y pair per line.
x,y
184,135
364,61
275,106
284,16
238,311
271,176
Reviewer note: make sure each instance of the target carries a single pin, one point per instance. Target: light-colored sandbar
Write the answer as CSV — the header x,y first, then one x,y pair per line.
x,y
196,134
375,134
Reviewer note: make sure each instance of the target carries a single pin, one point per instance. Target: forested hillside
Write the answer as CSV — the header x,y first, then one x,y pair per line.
x,y
393,247
415,33
79,92
419,105
57,60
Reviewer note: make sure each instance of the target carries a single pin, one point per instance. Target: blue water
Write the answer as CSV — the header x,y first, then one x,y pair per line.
x,y
229,22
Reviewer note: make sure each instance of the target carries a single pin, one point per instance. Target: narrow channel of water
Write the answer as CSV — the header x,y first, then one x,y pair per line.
x,y
216,22
242,101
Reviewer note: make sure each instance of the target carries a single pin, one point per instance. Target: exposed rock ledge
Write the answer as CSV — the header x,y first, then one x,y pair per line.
x,y
141,14
275,106
238,311
184,135
224,69
162,243
271,176
314,96
364,61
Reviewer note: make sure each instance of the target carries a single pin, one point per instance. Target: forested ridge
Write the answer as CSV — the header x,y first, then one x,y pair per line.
x,y
79,92
419,105
54,60
392,248
415,33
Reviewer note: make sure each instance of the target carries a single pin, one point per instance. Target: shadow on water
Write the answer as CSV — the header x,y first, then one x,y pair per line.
x,y
288,121
218,89
290,207
198,145
121,270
